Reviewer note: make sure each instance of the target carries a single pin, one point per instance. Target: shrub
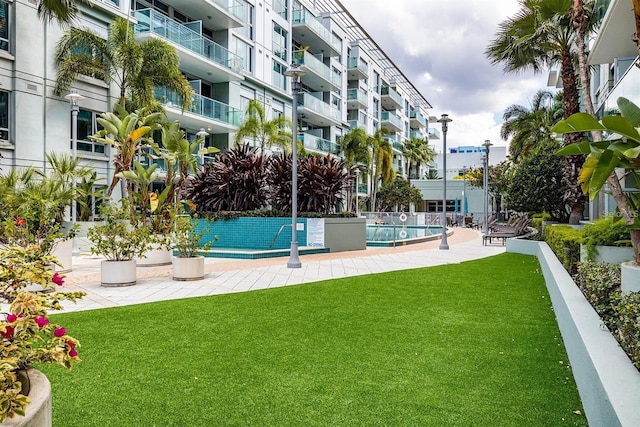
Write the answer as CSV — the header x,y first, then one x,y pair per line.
x,y
600,284
627,313
606,231
564,241
537,222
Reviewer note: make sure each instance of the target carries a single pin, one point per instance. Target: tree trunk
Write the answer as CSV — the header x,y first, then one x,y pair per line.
x,y
636,36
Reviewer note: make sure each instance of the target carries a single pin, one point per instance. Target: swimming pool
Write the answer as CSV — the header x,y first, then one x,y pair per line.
x,y
390,235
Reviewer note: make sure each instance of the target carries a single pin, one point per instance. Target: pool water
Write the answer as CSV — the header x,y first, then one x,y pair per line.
x,y
389,235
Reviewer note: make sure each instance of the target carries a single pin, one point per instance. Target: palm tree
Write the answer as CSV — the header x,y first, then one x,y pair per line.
x,y
416,151
63,11
274,132
381,166
355,151
538,36
530,129
135,68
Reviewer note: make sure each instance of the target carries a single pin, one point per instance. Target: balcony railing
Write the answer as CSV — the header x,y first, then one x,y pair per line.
x,y
357,95
234,7
388,116
434,133
202,106
356,124
416,115
156,23
316,143
315,65
391,92
311,102
356,63
301,16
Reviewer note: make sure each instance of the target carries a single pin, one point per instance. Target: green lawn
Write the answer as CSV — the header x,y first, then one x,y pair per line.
x,y
473,344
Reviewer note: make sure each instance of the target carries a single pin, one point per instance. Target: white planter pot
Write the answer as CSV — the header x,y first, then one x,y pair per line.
x,y
155,256
38,412
118,273
188,268
608,254
630,277
63,251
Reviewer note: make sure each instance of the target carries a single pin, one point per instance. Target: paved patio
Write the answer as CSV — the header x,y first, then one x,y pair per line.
x,y
232,275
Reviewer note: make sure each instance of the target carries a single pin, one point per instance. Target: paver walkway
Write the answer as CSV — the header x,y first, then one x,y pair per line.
x,y
233,275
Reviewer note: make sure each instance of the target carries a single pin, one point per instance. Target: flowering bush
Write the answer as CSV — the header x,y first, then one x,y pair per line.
x,y
187,239
27,335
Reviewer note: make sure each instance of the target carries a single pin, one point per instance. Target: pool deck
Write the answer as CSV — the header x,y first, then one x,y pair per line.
x,y
236,275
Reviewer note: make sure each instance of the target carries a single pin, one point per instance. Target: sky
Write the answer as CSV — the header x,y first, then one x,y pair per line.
x,y
439,45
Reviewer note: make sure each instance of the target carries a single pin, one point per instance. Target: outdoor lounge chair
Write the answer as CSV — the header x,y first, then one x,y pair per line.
x,y
504,232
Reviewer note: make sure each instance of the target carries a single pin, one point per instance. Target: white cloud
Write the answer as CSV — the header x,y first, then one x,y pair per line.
x,y
440,45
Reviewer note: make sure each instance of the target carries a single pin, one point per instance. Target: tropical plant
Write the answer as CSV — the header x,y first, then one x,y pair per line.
x,y
136,68
27,335
62,11
89,197
381,165
621,152
398,194
235,181
355,151
538,36
322,182
187,239
416,151
262,132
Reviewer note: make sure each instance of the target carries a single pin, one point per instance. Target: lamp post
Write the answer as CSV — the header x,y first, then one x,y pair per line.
x,y
295,72
444,120
202,134
485,175
74,97
357,179
464,195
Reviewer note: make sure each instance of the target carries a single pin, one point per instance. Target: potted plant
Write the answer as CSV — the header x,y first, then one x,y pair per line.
x,y
119,242
27,335
606,240
188,263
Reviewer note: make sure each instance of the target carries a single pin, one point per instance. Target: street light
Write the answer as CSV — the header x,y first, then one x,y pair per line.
x,y
74,97
444,120
357,179
202,134
464,195
485,173
295,72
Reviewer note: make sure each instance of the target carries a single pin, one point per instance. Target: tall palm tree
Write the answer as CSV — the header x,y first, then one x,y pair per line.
x,y
135,68
355,151
538,36
530,128
381,166
416,151
274,132
62,11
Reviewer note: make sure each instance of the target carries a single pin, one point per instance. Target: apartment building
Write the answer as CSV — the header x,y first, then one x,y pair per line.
x,y
231,51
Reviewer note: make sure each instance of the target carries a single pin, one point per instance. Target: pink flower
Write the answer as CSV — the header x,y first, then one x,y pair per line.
x,y
57,279
73,352
59,332
42,321
20,222
11,318
8,332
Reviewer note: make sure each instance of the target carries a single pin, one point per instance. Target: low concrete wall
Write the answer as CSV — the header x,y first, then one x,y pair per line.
x,y
345,234
608,383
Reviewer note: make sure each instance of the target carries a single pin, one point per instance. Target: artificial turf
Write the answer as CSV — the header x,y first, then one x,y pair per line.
x,y
471,344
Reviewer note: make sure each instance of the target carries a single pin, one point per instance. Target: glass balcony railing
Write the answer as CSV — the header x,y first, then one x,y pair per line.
x,y
234,7
311,102
202,106
416,134
434,133
301,16
357,95
356,124
388,116
397,146
416,115
317,66
391,92
150,21
316,143
356,63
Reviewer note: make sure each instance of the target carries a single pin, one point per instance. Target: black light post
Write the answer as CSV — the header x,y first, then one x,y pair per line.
x,y
444,120
464,196
295,72
485,225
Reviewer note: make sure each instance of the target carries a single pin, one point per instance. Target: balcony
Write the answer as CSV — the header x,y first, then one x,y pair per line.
x,y
308,30
198,55
317,111
356,69
204,112
357,124
357,99
391,122
417,120
434,133
219,14
319,76
315,143
416,134
390,99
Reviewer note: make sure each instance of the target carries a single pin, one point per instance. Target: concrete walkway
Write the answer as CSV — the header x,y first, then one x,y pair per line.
x,y
231,275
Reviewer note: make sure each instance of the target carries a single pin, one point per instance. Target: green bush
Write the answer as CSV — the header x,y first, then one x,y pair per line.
x,y
564,241
600,284
606,231
627,313
537,222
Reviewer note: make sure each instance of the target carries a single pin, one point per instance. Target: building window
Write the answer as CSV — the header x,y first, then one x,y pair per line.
x,y
279,42
278,77
88,125
244,51
4,116
281,7
247,30
4,26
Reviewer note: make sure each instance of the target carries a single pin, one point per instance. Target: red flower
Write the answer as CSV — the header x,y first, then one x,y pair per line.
x,y
72,349
11,318
42,321
192,206
8,332
20,222
57,279
59,332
